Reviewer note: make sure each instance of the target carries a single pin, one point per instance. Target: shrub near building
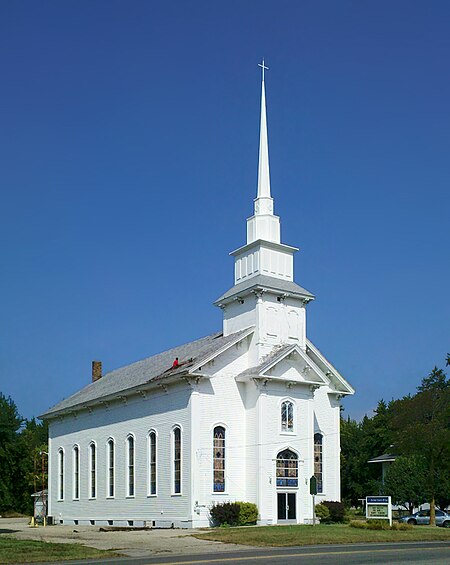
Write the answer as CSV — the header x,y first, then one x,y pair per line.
x,y
234,514
330,512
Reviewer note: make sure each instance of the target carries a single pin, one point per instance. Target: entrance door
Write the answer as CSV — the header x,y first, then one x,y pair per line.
x,y
287,506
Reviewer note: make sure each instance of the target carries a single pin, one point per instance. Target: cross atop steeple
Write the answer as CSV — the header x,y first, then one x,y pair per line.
x,y
263,67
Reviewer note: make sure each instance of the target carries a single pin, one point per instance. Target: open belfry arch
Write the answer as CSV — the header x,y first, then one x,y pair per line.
x,y
249,413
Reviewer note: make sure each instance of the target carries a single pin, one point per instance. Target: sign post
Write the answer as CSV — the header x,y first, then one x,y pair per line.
x,y
313,491
379,508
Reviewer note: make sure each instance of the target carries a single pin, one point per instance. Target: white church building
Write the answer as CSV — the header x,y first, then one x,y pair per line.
x,y
247,414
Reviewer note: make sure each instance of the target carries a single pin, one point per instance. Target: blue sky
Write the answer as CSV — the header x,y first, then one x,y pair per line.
x,y
128,150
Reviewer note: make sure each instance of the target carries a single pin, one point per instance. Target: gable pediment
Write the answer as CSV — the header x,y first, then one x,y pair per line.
x,y
293,367
288,364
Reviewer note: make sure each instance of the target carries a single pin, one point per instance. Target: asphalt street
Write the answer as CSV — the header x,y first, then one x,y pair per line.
x,y
432,553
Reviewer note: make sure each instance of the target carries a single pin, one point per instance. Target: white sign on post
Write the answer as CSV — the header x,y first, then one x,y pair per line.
x,y
379,508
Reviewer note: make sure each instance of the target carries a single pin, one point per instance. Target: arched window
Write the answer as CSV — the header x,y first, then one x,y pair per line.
x,y
152,462
92,470
130,465
219,459
287,416
61,474
76,472
111,470
177,460
318,461
287,469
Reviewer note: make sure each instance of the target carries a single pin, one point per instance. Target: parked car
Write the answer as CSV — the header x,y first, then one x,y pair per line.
x,y
423,517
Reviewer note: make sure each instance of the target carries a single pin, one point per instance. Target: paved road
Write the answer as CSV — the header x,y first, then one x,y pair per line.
x,y
433,553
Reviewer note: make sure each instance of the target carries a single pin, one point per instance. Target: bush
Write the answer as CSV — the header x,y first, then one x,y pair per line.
x,y
358,524
379,525
225,513
234,513
248,513
322,513
336,510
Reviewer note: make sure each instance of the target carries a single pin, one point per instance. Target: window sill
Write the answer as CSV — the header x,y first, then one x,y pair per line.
x,y
75,499
110,497
288,433
219,494
92,498
152,495
130,496
176,494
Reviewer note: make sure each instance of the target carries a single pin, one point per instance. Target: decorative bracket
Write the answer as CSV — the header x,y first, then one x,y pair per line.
x,y
163,386
258,294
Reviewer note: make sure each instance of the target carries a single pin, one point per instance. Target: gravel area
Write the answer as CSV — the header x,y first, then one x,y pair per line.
x,y
138,543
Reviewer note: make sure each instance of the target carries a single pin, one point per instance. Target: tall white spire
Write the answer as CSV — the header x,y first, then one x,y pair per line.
x,y
263,167
263,224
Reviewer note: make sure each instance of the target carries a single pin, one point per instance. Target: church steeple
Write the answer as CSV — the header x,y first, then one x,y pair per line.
x,y
263,200
263,225
264,294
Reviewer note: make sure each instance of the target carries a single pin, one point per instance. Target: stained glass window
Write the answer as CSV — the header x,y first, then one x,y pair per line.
x,y
219,459
318,461
287,469
287,416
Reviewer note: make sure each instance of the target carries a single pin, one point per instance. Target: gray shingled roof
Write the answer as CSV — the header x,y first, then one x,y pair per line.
x,y
140,373
265,282
385,458
277,353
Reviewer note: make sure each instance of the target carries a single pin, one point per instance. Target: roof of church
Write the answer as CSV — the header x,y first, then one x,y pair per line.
x,y
153,368
276,353
268,283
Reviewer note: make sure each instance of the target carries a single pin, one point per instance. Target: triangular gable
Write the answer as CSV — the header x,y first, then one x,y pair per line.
x,y
337,381
288,364
294,365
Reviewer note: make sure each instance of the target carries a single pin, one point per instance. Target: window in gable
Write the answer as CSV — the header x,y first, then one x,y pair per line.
x,y
287,416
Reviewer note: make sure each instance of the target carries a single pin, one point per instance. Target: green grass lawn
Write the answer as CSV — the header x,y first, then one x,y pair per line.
x,y
321,534
21,551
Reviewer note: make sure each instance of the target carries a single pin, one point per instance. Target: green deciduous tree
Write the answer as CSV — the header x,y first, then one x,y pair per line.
x,y
406,482
421,427
361,441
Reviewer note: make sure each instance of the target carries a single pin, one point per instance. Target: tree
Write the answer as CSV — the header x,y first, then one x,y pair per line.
x,y
10,423
406,482
359,443
21,441
421,427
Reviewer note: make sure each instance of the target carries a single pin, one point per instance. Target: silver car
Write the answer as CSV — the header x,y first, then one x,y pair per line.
x,y
423,518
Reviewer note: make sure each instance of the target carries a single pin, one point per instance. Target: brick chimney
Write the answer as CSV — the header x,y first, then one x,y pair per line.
x,y
96,370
